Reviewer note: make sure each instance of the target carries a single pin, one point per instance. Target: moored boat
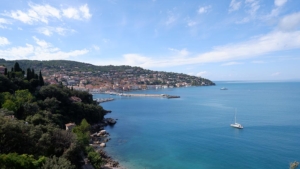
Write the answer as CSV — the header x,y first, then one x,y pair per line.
x,y
236,125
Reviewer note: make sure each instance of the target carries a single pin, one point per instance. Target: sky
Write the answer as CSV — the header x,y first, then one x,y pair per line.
x,y
218,40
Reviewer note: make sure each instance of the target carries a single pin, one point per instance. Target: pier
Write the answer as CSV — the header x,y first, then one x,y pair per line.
x,y
101,100
134,95
148,95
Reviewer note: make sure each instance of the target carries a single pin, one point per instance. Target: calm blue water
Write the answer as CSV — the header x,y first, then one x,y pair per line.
x,y
193,131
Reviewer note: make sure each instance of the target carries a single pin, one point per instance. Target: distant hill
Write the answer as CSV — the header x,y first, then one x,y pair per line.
x,y
59,64
53,66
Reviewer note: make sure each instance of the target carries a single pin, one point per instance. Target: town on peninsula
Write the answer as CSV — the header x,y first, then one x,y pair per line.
x,y
97,79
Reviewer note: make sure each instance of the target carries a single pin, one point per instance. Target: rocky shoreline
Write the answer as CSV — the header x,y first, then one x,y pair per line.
x,y
99,138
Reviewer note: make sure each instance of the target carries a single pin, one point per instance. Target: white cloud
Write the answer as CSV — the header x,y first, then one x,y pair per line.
x,y
182,52
253,5
171,18
78,14
41,51
96,47
71,13
199,74
136,59
275,74
15,53
280,2
44,13
36,13
204,9
276,10
232,63
290,22
234,5
190,22
85,11
48,31
3,22
4,41
253,48
272,42
41,43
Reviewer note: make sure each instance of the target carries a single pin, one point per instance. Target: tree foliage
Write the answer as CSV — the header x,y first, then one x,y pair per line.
x,y
57,163
32,121
82,132
24,161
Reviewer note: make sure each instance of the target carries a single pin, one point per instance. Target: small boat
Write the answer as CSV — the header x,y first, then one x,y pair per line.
x,y
223,88
236,125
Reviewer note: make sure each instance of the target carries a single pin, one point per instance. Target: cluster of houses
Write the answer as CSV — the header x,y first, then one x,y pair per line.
x,y
113,80
2,70
130,79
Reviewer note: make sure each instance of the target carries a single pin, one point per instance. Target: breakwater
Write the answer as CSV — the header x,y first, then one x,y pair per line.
x,y
147,95
101,100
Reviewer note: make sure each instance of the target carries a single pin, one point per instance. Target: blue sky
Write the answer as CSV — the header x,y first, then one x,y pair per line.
x,y
218,40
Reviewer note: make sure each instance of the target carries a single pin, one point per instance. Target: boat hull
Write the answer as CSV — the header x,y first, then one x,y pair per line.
x,y
237,125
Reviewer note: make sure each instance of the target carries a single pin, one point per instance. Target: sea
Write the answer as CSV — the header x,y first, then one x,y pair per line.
x,y
193,131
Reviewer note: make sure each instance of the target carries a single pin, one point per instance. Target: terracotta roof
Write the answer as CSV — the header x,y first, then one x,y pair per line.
x,y
70,124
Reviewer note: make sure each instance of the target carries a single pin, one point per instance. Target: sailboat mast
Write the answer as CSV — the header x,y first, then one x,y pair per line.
x,y
235,116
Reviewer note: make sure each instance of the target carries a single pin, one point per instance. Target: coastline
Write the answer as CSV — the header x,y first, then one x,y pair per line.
x,y
99,139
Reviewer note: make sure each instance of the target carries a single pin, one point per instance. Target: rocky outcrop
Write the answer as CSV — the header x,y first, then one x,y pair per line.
x,y
102,132
111,121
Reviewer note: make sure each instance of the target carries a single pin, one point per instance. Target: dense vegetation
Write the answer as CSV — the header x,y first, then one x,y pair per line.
x,y
33,118
57,65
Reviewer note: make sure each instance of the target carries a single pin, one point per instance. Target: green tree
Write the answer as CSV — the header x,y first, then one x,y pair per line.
x,y
10,105
17,67
24,161
95,159
28,74
41,80
32,73
57,163
23,96
82,132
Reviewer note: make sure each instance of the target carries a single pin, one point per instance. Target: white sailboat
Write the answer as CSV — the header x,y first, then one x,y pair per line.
x,y
236,125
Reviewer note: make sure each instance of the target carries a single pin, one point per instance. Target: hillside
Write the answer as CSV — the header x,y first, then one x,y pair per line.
x,y
90,77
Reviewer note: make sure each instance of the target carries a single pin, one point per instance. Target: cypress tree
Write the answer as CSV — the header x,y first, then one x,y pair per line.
x,y
28,76
32,73
17,67
41,79
5,71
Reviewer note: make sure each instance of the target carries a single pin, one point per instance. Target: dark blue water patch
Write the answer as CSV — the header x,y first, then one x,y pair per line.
x,y
194,131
